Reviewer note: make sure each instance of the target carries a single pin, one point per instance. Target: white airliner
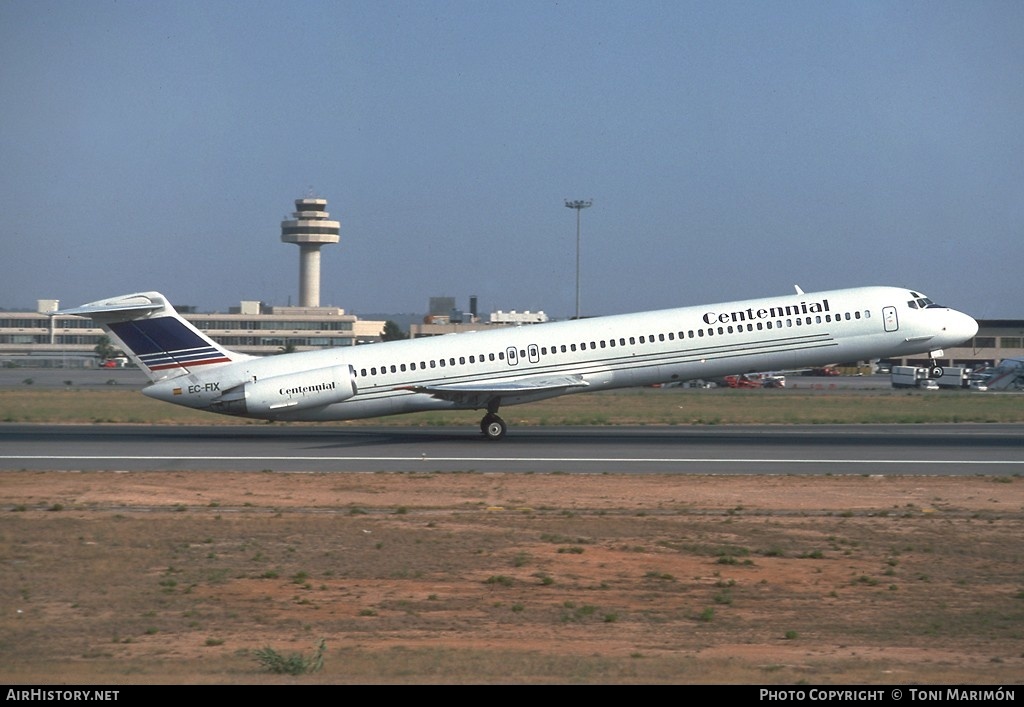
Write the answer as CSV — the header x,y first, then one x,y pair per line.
x,y
509,366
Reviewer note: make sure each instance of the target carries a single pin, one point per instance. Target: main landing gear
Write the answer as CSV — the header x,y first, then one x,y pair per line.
x,y
493,427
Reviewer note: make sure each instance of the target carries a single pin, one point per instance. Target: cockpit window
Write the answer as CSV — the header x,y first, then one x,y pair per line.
x,y
921,302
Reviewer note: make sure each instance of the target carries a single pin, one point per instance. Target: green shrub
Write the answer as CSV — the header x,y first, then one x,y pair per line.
x,y
292,664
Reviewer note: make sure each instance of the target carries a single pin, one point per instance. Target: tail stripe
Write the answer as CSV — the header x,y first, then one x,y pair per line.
x,y
182,359
165,342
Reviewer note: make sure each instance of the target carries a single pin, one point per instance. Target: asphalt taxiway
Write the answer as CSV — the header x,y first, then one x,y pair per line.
x,y
954,449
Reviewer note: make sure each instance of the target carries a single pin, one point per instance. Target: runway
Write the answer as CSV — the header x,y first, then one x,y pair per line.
x,y
956,449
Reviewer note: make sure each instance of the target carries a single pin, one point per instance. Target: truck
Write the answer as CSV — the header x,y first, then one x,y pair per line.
x,y
954,377
919,377
908,376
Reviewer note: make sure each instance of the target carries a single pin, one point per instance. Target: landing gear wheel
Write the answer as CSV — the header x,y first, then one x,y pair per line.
x,y
935,372
493,427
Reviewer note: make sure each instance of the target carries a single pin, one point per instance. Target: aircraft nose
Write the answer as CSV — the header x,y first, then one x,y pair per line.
x,y
960,327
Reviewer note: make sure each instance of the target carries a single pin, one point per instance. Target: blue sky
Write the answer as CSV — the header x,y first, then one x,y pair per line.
x,y
731,149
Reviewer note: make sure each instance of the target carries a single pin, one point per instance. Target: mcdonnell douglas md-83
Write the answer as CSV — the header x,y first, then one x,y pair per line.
x,y
484,370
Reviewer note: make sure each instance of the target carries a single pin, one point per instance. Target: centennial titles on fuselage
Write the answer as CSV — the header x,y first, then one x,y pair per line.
x,y
303,389
750,314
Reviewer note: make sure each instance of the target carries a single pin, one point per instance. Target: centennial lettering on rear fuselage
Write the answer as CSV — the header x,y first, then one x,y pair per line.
x,y
751,314
302,390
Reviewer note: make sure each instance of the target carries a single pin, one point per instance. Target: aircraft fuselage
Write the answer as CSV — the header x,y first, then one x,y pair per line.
x,y
509,366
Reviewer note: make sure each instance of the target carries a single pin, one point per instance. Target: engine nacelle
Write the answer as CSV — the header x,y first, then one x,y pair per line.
x,y
298,391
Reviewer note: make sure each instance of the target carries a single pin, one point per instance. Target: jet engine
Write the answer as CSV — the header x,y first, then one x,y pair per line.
x,y
290,391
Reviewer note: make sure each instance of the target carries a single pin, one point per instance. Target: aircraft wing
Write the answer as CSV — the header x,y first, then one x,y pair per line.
x,y
527,385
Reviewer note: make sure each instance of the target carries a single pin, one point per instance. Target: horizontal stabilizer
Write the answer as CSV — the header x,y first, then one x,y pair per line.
x,y
119,307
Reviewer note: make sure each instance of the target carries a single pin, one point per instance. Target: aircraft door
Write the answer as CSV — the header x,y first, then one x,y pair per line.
x,y
512,356
890,319
533,351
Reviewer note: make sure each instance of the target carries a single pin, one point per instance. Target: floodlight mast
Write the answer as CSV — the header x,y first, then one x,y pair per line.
x,y
579,205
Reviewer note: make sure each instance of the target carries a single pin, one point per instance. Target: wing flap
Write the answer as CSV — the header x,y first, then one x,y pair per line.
x,y
513,386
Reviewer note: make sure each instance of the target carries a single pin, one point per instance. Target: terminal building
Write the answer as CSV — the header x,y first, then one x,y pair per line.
x,y
445,318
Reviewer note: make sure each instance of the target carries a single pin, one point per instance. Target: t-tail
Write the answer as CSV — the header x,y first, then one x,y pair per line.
x,y
162,342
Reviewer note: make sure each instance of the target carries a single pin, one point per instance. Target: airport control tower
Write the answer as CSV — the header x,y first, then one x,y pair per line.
x,y
310,230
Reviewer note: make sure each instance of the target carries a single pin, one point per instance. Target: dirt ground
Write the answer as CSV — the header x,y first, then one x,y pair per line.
x,y
156,577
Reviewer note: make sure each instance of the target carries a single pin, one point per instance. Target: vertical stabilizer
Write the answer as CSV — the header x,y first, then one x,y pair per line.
x,y
158,339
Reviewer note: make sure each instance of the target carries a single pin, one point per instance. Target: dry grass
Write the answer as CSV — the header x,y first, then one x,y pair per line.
x,y
468,578
674,406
